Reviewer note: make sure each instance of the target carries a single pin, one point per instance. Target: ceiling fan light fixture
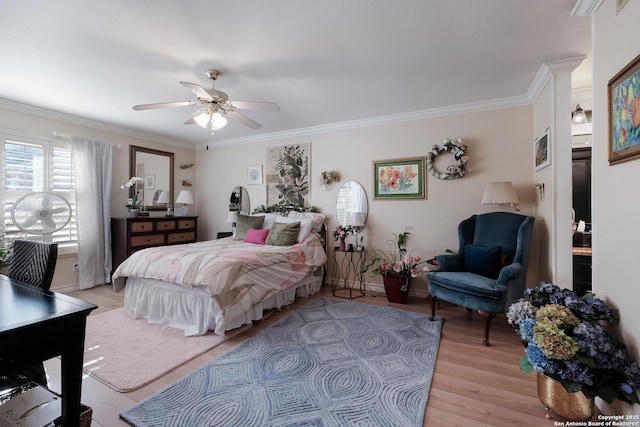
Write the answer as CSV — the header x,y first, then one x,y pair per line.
x,y
218,121
202,119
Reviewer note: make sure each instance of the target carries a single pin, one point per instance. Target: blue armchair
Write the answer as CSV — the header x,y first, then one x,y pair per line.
x,y
489,272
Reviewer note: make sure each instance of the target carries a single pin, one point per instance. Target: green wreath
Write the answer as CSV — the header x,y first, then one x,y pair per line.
x,y
460,153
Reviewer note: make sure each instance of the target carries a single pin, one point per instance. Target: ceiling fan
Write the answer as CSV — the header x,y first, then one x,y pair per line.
x,y
215,106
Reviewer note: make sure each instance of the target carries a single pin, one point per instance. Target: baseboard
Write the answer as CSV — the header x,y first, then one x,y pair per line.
x,y
375,288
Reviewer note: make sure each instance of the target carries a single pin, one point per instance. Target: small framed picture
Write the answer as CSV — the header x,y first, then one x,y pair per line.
x,y
150,182
254,174
542,151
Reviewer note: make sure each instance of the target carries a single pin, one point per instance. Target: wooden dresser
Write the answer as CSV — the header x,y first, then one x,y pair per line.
x,y
131,234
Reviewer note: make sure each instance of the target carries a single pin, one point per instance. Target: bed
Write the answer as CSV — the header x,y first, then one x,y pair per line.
x,y
222,284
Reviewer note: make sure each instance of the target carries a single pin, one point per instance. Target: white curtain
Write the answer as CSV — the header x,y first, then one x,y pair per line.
x,y
93,170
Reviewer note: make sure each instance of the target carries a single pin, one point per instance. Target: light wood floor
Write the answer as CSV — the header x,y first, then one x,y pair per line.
x,y
473,385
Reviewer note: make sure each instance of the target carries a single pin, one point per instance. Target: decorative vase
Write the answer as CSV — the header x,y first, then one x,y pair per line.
x,y
570,406
133,212
393,288
343,245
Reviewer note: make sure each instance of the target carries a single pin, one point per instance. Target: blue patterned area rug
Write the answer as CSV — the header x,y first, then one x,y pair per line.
x,y
330,363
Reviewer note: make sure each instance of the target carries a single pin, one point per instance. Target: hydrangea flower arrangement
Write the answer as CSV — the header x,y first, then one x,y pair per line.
x,y
565,340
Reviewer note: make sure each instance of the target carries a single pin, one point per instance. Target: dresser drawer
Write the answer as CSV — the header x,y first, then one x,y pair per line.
x,y
130,234
141,227
185,224
181,237
152,239
165,225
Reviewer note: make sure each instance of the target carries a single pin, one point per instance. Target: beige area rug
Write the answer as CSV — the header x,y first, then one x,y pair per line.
x,y
126,353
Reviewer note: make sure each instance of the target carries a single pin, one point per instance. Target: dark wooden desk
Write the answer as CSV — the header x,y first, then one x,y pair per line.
x,y
36,325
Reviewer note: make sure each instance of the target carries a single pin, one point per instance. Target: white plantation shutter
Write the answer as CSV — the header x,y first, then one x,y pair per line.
x,y
33,165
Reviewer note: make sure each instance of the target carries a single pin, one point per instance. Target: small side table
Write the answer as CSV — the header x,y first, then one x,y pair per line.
x,y
347,274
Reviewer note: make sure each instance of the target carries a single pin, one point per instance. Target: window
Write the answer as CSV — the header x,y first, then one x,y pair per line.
x,y
37,166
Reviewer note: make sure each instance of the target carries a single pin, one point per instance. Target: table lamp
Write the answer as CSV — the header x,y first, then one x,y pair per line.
x,y
185,198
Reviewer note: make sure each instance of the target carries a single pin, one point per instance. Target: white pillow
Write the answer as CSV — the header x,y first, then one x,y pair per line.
x,y
305,225
269,219
316,217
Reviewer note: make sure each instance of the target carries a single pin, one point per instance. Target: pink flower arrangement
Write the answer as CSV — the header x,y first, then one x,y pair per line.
x,y
397,262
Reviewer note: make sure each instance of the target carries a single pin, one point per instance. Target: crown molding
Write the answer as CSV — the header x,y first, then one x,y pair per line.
x,y
586,7
83,121
495,104
547,70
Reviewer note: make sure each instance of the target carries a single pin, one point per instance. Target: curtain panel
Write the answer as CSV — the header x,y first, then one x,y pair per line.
x,y
93,169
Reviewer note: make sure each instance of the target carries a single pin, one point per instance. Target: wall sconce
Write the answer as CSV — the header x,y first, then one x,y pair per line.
x,y
327,177
500,193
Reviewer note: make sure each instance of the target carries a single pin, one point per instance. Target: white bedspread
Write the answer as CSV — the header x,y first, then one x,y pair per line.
x,y
237,275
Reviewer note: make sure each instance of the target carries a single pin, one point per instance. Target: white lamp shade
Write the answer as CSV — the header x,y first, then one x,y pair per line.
x,y
163,198
185,197
218,121
501,193
203,118
231,217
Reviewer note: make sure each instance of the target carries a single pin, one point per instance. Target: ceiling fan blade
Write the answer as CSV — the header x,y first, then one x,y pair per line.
x,y
244,119
197,90
255,105
163,105
192,120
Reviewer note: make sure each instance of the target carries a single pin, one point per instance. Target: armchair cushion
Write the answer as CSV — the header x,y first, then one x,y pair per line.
x,y
483,260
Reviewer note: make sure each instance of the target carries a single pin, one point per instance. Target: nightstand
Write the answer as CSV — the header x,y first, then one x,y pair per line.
x,y
347,273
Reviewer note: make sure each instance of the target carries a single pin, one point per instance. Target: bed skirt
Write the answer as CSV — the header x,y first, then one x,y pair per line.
x,y
194,311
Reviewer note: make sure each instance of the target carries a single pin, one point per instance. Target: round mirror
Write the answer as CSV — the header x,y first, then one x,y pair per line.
x,y
351,205
239,200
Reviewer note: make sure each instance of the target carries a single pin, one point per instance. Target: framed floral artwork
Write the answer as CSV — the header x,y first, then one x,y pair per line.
x,y
542,151
624,114
399,179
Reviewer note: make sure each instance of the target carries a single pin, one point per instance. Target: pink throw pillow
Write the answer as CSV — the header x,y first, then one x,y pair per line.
x,y
257,236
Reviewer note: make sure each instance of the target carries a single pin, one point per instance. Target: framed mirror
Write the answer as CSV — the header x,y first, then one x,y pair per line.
x,y
351,205
156,168
239,200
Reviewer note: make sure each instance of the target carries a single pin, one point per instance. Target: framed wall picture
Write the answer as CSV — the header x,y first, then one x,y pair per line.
x,y
542,151
399,179
150,182
624,114
254,174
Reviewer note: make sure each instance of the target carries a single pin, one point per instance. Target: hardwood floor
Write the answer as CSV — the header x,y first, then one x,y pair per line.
x,y
473,385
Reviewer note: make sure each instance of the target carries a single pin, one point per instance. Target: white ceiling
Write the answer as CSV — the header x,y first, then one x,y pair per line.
x,y
324,62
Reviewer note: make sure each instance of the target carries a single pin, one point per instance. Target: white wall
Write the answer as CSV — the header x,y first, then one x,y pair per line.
x,y
500,149
615,188
35,126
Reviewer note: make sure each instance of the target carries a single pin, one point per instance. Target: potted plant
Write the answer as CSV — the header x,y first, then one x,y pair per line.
x,y
566,341
133,202
396,267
